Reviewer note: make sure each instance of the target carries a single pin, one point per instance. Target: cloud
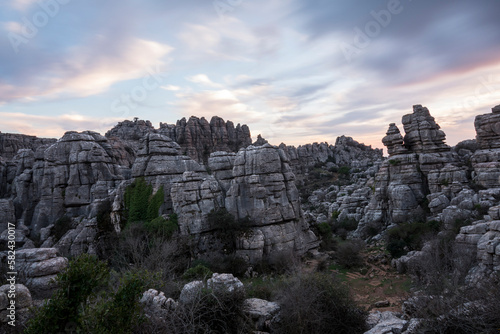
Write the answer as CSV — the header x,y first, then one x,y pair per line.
x,y
54,126
203,80
86,70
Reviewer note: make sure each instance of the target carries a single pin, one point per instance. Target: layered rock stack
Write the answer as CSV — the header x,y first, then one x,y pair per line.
x,y
10,143
486,160
198,138
421,174
256,184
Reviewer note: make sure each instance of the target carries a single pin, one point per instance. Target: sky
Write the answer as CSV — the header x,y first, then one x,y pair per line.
x,y
295,71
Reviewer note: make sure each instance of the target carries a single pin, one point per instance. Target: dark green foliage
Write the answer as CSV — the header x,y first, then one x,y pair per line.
x,y
155,203
162,227
344,170
327,241
76,284
120,311
61,226
409,236
140,203
325,230
394,162
227,227
335,214
136,200
199,272
481,210
318,303
348,254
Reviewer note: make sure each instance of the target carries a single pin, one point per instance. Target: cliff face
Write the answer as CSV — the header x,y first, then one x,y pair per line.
x,y
255,184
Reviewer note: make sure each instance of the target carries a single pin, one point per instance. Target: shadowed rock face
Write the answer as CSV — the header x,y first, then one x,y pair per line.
x,y
256,183
65,178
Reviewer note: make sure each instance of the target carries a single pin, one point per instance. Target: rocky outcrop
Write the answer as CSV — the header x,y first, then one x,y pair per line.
x,y
16,313
10,143
257,185
488,129
263,189
423,134
38,268
131,132
76,173
198,138
345,152
421,174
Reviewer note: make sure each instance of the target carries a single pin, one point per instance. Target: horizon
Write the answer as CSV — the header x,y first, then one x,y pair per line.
x,y
294,71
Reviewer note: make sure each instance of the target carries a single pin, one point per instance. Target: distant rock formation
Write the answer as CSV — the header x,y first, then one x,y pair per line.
x,y
10,143
198,138
345,152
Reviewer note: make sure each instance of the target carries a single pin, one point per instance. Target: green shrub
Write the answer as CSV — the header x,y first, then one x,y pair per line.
x,y
199,272
394,162
162,227
348,254
409,236
325,230
318,303
76,284
140,203
120,311
344,170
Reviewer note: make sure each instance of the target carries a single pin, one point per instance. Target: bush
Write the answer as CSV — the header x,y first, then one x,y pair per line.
x,y
120,311
348,254
162,227
318,303
76,284
140,203
409,236
199,272
344,170
208,311
141,249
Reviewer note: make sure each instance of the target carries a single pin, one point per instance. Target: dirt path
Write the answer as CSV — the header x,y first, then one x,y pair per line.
x,y
376,285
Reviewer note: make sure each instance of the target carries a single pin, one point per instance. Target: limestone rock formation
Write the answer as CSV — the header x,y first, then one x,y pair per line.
x,y
198,138
131,132
256,184
263,189
10,143
23,303
422,173
75,174
39,267
423,134
488,129
345,152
